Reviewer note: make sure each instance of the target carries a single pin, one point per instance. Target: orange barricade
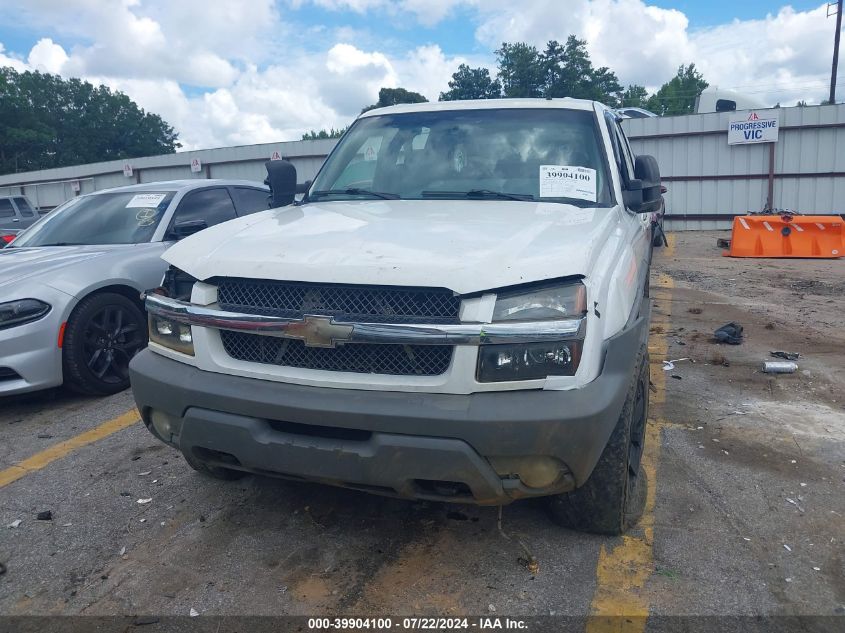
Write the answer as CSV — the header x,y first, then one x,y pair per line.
x,y
787,236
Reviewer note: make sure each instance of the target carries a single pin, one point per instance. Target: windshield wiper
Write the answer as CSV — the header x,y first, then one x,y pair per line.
x,y
353,191
479,194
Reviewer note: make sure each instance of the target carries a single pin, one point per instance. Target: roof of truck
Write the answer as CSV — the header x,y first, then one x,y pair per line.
x,y
485,104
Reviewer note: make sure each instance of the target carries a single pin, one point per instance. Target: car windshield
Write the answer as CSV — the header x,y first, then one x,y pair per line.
x,y
547,154
129,217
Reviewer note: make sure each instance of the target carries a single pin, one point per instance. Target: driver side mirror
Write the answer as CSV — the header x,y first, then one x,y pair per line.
x,y
642,194
281,177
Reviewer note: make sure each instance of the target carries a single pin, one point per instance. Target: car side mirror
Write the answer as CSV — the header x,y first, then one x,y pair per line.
x,y
642,194
182,230
281,177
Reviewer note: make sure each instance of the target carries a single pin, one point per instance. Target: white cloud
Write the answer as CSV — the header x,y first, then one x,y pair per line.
x,y
225,73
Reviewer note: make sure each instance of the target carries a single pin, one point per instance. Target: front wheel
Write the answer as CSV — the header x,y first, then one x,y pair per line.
x,y
613,498
102,335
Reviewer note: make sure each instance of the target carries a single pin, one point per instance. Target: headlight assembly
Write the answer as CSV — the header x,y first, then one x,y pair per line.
x,y
532,361
172,335
22,311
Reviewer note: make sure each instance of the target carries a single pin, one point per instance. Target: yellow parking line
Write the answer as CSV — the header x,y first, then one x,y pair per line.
x,y
622,570
62,449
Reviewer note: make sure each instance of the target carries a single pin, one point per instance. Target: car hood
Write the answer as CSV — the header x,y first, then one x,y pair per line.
x,y
467,246
50,264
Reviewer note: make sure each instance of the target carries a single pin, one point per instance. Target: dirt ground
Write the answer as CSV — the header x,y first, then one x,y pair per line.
x,y
746,511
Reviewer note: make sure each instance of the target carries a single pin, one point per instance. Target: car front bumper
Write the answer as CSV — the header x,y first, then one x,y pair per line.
x,y
30,357
415,445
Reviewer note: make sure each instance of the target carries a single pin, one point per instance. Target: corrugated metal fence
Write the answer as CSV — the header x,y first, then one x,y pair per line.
x,y
50,187
710,181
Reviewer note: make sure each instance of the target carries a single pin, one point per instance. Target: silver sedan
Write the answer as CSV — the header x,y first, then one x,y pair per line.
x,y
70,310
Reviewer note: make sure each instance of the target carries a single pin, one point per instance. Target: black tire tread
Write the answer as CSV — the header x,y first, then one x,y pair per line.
x,y
600,504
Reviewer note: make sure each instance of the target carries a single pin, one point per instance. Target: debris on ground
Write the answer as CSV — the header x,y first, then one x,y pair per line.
x,y
677,377
491,608
145,473
122,551
796,504
14,524
669,365
125,493
730,333
695,310
45,436
787,547
2,569
143,501
779,367
193,612
786,355
719,359
46,515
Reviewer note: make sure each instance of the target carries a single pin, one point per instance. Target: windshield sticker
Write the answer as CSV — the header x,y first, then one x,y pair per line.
x,y
146,217
563,181
147,200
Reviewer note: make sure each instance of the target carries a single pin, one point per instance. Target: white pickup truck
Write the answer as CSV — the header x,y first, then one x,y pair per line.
x,y
456,310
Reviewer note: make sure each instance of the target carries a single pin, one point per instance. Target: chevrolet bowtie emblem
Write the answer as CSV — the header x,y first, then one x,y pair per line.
x,y
319,331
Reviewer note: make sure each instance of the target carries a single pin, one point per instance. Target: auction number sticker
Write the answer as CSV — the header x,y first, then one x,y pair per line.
x,y
148,200
564,181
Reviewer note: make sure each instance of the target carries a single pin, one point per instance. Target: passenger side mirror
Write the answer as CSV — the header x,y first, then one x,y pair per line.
x,y
642,194
281,177
189,227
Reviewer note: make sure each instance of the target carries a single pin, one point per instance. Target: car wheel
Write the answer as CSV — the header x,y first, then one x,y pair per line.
x,y
102,335
215,472
613,498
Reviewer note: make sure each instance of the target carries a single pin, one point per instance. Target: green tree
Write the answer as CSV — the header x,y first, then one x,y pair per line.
x,y
313,135
472,83
394,96
677,96
521,71
47,121
635,97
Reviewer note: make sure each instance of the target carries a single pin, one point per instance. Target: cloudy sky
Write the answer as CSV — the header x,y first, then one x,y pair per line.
x,y
230,72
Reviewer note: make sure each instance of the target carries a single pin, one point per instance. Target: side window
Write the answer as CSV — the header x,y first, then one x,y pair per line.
x,y
6,208
621,151
23,206
626,150
251,200
213,206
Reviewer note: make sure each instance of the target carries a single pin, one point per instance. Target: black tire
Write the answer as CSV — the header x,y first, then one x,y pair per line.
x,y
102,335
215,472
613,498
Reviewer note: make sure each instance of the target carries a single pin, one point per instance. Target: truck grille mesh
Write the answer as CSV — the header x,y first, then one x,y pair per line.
x,y
360,358
373,304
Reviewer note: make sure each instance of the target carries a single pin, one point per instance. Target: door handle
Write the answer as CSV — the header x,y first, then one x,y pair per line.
x,y
15,219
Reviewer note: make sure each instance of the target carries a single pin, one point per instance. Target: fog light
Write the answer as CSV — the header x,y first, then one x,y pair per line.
x,y
165,425
535,471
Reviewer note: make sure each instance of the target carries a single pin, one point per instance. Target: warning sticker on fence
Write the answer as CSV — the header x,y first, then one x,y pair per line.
x,y
150,200
564,181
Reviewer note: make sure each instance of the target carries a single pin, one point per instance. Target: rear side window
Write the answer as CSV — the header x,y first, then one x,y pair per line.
x,y
212,206
23,206
6,209
250,200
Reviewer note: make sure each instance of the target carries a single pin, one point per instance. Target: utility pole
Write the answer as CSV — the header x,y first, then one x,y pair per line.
x,y
832,98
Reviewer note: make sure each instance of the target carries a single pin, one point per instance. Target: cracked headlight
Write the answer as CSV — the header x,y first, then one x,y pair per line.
x,y
532,361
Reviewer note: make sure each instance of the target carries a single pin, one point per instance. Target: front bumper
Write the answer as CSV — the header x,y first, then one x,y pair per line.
x,y
30,357
434,446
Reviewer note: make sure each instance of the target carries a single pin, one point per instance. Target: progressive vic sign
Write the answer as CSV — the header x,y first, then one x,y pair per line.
x,y
750,127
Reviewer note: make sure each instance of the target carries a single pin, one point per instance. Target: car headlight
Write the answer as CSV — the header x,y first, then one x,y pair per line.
x,y
531,361
172,335
22,311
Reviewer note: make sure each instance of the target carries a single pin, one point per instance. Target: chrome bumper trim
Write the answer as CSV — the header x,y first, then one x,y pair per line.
x,y
322,331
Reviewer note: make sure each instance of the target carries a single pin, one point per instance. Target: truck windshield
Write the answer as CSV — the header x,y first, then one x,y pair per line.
x,y
549,155
104,218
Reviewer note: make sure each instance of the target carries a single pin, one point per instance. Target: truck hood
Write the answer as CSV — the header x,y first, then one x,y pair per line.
x,y
464,245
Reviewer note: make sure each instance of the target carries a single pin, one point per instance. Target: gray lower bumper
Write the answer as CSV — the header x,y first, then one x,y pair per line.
x,y
406,444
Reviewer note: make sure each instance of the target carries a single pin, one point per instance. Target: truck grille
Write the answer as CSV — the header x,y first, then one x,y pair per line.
x,y
360,358
345,303
373,304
